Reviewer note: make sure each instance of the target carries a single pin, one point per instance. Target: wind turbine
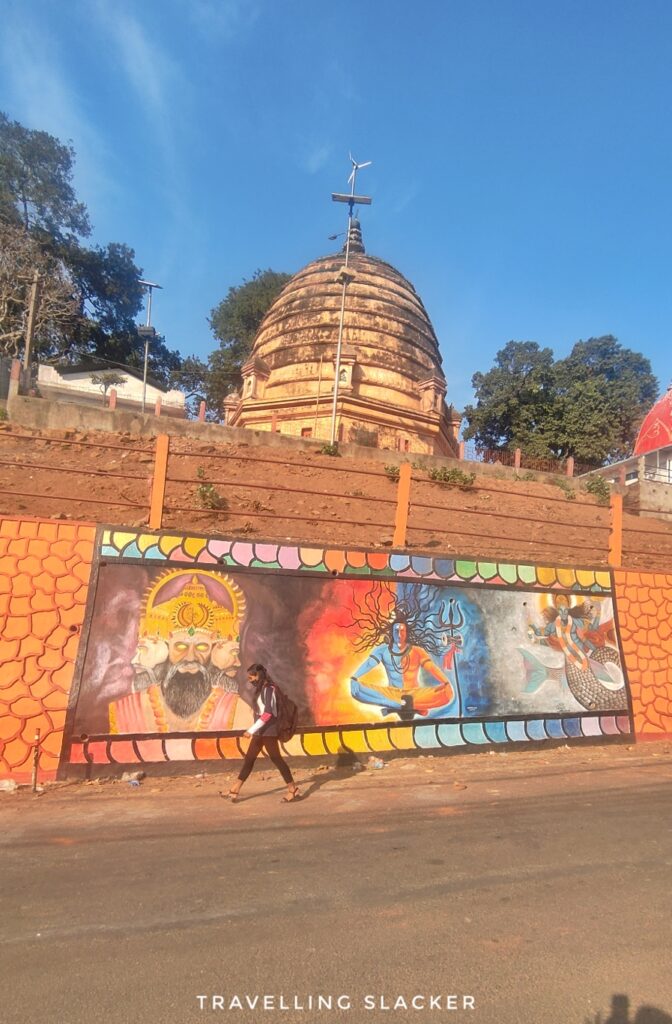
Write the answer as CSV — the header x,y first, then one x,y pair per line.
x,y
356,167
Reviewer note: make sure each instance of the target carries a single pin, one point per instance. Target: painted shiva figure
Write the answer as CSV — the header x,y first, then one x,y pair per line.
x,y
414,684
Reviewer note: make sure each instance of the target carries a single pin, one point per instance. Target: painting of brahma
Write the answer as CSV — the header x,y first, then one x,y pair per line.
x,y
186,658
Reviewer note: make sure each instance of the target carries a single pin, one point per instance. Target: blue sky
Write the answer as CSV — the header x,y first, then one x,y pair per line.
x,y
522,149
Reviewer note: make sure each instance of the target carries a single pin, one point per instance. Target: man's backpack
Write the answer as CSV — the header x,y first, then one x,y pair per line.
x,y
287,715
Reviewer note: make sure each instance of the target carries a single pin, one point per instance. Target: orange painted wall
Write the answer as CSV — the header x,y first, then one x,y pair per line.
x,y
644,603
45,567
44,579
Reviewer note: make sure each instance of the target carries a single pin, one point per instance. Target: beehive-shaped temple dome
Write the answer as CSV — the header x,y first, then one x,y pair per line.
x,y
656,430
391,391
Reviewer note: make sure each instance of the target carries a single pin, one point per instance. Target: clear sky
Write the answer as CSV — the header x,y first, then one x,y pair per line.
x,y
522,149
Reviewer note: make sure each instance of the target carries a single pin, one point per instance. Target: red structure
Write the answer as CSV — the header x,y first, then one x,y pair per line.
x,y
656,430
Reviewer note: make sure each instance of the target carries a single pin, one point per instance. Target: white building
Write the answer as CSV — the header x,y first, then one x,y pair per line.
x,y
64,383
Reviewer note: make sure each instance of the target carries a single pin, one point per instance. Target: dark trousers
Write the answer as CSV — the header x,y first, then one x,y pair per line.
x,y
271,746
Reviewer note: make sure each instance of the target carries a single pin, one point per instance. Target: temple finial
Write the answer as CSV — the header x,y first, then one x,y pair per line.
x,y
356,244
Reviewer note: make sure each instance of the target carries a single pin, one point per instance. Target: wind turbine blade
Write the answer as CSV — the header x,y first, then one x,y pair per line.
x,y
367,164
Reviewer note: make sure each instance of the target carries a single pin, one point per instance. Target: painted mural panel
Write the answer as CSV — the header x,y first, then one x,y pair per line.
x,y
377,656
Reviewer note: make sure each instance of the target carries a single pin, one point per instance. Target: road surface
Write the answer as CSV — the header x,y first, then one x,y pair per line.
x,y
499,890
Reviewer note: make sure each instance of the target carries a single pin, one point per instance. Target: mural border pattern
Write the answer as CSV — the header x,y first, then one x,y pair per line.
x,y
352,739
242,554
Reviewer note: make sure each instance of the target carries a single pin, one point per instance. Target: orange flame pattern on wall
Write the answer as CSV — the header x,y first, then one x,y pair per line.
x,y
644,602
44,579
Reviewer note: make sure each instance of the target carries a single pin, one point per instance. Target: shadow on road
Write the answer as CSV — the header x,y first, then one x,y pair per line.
x,y
620,1014
342,769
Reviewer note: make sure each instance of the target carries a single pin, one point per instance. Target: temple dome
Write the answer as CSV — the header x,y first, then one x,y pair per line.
x,y
656,430
391,365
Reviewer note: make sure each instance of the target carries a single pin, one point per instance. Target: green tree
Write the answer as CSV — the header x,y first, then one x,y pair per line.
x,y
588,405
603,392
109,283
107,379
235,322
513,398
36,182
112,298
192,378
37,196
58,308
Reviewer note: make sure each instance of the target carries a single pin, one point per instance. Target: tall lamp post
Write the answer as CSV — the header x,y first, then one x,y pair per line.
x,y
345,275
147,332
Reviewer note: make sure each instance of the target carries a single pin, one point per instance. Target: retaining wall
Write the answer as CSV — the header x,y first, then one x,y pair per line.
x,y
40,414
382,651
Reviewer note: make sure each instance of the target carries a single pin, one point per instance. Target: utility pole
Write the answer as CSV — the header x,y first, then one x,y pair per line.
x,y
345,275
35,289
147,332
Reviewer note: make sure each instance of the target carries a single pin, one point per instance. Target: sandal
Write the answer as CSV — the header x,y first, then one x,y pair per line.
x,y
289,799
232,795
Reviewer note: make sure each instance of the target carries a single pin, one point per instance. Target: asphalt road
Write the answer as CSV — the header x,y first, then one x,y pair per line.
x,y
537,894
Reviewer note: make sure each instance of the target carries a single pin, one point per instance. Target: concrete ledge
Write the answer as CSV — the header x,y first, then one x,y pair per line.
x,y
39,414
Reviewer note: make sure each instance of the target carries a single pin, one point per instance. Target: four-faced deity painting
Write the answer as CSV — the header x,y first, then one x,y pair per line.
x,y
168,647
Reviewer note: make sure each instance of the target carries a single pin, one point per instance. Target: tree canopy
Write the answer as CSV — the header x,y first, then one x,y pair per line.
x,y
36,182
588,405
235,322
59,305
108,379
99,285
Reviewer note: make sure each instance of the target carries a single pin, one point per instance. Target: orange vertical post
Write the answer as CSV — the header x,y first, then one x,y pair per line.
x,y
159,482
616,533
403,505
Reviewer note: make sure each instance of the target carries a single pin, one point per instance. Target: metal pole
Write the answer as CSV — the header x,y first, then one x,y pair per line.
x,y
339,344
32,316
148,324
144,373
338,364
36,759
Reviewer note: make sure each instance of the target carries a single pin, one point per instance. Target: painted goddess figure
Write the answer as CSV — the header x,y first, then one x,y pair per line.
x,y
580,634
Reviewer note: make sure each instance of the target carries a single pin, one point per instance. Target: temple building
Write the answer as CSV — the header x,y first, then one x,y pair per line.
x,y
654,440
391,388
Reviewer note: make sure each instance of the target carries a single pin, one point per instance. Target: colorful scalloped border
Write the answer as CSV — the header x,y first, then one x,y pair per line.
x,y
125,750
244,554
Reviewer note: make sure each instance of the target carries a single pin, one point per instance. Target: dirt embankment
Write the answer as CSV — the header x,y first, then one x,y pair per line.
x,y
305,496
